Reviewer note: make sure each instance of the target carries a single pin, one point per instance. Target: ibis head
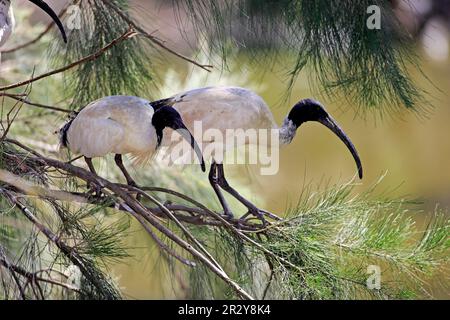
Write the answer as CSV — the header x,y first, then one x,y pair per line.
x,y
168,117
311,110
45,7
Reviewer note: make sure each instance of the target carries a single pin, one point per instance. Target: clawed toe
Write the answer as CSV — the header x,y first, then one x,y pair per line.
x,y
94,190
228,215
255,212
133,184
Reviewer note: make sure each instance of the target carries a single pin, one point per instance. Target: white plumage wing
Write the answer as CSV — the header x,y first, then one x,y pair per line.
x,y
216,110
115,124
94,137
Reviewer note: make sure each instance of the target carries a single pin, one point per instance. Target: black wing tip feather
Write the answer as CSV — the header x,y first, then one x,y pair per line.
x,y
63,133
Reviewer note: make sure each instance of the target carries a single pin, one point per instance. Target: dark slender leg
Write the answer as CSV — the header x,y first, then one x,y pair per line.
x,y
214,183
223,183
90,165
130,181
92,187
119,162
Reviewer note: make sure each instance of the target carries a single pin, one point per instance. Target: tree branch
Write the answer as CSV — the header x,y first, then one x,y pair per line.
x,y
127,35
39,37
68,251
19,97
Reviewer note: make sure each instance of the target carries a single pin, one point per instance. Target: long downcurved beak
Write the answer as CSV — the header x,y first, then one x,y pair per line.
x,y
186,134
330,123
45,7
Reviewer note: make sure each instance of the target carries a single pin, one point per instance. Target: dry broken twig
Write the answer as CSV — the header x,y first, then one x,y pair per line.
x,y
123,201
127,35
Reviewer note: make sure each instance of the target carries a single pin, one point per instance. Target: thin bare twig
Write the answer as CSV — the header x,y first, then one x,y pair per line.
x,y
38,105
8,265
163,246
135,209
100,181
33,276
70,252
127,35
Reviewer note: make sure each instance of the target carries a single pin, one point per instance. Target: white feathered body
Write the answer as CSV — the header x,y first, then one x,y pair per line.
x,y
114,124
7,21
222,109
123,124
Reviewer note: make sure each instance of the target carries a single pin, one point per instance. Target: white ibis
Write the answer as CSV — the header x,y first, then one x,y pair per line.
x,y
122,125
7,21
224,108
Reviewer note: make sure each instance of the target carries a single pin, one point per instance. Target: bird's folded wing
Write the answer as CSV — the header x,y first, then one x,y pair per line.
x,y
96,137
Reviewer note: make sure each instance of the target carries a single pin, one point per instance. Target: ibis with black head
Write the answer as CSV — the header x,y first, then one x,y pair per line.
x,y
225,108
122,125
7,21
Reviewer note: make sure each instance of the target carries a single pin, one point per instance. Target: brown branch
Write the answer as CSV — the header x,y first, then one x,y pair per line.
x,y
197,215
165,248
136,210
234,227
151,212
39,37
139,212
32,276
152,38
172,217
225,223
128,34
38,105
68,251
8,265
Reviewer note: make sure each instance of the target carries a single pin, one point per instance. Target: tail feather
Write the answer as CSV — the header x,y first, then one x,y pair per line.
x,y
63,133
162,103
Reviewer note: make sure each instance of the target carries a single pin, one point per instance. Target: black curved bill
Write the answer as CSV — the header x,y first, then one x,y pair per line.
x,y
179,126
44,6
333,126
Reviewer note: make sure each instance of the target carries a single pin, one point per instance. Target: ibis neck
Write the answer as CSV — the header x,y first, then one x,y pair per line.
x,y
287,131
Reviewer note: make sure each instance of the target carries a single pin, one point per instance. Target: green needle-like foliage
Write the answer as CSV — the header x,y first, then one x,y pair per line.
x,y
329,240
323,247
125,69
329,41
89,231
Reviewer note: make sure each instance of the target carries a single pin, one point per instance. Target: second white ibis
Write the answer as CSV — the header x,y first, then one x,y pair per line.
x,y
225,108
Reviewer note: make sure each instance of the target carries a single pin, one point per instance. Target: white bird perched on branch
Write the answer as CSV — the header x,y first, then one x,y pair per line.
x,y
7,21
224,108
122,125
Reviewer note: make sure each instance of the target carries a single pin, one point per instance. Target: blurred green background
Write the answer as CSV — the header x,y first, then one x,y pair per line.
x,y
413,152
